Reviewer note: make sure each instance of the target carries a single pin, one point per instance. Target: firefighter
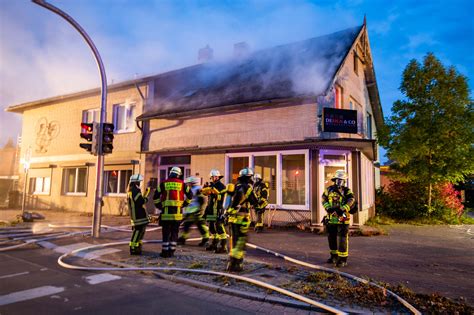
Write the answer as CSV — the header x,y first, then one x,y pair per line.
x,y
338,200
262,192
138,215
170,197
193,214
238,216
216,191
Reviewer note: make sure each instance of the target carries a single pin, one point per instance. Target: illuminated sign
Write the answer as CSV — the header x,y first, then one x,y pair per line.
x,y
339,120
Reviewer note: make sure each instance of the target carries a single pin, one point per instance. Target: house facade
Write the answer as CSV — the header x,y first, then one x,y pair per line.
x,y
294,113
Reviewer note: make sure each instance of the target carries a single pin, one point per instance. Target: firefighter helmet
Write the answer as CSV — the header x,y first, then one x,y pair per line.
x,y
246,172
340,174
136,178
193,180
176,170
257,177
215,173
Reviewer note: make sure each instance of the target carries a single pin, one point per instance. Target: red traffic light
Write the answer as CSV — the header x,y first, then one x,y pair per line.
x,y
87,127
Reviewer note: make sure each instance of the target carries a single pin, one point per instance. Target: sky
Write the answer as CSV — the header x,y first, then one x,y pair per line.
x,y
41,55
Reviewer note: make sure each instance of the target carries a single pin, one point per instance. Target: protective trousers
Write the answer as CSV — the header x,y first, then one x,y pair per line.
x,y
195,218
260,216
217,230
338,238
170,230
138,232
239,230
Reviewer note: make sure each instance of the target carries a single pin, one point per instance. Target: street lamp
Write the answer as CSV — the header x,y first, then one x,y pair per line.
x,y
103,101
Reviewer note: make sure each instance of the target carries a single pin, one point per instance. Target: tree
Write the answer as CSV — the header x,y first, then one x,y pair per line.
x,y
430,134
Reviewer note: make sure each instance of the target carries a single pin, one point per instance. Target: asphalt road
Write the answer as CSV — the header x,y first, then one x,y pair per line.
x,y
31,282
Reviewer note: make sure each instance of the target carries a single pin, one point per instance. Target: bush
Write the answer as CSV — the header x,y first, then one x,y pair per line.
x,y
407,201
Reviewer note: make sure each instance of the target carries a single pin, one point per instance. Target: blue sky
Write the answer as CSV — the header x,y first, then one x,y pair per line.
x,y
42,56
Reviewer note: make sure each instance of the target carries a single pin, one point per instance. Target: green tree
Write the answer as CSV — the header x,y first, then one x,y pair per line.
x,y
430,134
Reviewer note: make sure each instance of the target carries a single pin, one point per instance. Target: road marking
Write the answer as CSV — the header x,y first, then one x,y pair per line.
x,y
29,294
71,247
93,254
103,277
15,274
97,253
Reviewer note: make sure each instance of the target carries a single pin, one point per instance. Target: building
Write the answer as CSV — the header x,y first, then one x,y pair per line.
x,y
295,113
8,174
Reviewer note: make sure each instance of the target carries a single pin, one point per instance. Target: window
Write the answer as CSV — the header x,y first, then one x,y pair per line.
x,y
286,172
338,97
369,126
266,166
116,181
124,117
75,181
40,185
293,179
90,115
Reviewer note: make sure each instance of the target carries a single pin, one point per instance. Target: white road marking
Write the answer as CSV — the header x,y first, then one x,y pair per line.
x,y
29,294
71,247
97,253
15,274
103,277
88,255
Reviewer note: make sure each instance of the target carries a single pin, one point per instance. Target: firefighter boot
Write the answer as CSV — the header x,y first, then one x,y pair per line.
x,y
135,251
222,247
204,241
235,265
213,245
165,253
332,259
181,240
341,262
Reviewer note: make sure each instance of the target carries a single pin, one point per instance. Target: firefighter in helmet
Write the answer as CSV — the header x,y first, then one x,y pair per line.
x,y
193,213
138,214
262,192
216,191
170,197
238,215
338,200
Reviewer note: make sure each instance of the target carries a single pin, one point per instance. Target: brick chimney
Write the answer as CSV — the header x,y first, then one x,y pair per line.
x,y
241,50
205,54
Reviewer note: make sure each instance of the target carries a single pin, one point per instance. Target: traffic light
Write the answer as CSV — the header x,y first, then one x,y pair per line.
x,y
89,133
107,138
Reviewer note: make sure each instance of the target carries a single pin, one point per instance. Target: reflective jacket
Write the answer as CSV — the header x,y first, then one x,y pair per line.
x,y
262,192
170,196
338,200
243,198
136,206
198,202
216,192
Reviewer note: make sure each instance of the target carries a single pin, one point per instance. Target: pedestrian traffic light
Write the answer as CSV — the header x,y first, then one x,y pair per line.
x,y
89,133
107,138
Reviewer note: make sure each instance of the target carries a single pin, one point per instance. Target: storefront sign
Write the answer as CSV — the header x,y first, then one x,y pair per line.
x,y
339,120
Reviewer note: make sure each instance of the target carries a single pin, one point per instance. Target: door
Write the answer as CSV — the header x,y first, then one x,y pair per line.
x,y
164,171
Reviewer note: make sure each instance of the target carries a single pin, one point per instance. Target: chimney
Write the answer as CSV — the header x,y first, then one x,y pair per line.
x,y
205,54
241,50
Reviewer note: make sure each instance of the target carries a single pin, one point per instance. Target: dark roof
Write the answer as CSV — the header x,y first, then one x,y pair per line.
x,y
305,68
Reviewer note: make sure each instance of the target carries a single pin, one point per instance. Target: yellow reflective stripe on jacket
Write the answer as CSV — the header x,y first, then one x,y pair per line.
x,y
173,203
137,196
171,216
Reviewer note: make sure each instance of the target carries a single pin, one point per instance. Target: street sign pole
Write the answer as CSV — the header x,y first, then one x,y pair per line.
x,y
103,101
26,167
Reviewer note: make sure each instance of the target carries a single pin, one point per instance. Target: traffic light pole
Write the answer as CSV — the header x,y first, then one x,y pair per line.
x,y
100,156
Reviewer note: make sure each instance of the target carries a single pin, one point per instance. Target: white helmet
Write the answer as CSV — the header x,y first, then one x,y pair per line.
x,y
247,172
257,177
340,174
176,170
215,172
136,178
192,180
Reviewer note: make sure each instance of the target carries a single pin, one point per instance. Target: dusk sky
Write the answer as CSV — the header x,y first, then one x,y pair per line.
x,y
42,56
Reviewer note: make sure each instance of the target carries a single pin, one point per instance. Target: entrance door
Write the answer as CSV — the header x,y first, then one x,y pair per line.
x,y
329,162
164,171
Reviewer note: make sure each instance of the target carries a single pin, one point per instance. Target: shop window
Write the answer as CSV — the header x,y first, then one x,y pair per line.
x,y
266,166
235,165
124,117
40,185
75,181
90,116
116,181
293,179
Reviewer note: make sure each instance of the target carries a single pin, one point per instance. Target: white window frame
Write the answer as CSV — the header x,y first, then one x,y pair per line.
x,y
368,122
43,181
87,113
127,106
75,193
119,177
186,167
279,163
